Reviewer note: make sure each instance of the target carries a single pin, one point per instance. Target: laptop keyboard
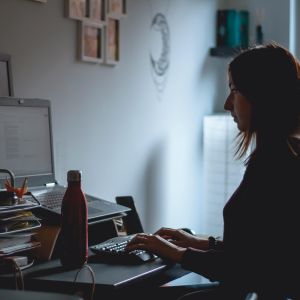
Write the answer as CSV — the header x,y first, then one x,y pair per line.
x,y
51,199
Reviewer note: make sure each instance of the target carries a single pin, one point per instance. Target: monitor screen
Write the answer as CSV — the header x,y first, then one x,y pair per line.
x,y
25,134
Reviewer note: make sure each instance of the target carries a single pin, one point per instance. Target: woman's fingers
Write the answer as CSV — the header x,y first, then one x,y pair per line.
x,y
164,230
167,233
139,241
157,245
146,242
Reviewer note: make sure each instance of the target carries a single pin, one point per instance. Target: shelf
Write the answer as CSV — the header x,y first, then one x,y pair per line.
x,y
224,51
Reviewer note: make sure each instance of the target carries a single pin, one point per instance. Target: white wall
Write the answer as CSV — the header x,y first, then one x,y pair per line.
x,y
108,121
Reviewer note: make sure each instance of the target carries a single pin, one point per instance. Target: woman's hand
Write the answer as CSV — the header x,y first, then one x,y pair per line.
x,y
183,239
168,243
157,245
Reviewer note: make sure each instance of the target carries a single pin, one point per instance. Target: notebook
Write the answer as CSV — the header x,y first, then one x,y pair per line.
x,y
26,149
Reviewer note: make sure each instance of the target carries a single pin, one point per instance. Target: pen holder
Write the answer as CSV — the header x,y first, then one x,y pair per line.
x,y
8,198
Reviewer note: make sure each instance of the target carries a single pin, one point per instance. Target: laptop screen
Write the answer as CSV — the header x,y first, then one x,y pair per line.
x,y
26,140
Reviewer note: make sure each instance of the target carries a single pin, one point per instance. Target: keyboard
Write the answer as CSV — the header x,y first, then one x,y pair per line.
x,y
51,199
112,251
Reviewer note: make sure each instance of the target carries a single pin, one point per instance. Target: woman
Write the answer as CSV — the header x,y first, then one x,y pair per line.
x,y
259,252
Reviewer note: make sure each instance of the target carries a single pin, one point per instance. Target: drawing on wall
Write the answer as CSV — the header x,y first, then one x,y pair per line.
x,y
91,42
99,28
116,8
112,41
77,9
97,10
160,58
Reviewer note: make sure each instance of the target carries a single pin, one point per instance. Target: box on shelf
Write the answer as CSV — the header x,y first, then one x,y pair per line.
x,y
232,28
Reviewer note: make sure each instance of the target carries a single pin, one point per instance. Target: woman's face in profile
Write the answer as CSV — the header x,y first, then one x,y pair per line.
x,y
239,107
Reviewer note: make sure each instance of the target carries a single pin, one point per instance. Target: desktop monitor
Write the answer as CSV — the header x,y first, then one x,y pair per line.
x,y
6,84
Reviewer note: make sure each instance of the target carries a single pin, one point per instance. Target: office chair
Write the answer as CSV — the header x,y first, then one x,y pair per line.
x,y
132,222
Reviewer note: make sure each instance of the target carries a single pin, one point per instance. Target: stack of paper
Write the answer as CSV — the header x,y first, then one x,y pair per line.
x,y
17,224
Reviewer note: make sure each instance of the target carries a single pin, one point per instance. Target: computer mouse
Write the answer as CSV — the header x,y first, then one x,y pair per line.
x,y
188,230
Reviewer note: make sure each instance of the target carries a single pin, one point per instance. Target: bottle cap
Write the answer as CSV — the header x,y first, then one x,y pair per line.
x,y
74,175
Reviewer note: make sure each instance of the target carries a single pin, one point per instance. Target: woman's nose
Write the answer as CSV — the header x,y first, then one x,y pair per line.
x,y
228,104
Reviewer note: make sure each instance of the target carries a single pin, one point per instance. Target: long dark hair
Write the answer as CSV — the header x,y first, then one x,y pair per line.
x,y
269,77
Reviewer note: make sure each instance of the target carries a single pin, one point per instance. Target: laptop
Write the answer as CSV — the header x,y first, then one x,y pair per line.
x,y
26,149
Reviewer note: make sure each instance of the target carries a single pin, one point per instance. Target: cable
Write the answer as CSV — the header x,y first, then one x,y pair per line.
x,y
14,265
92,275
21,279
17,272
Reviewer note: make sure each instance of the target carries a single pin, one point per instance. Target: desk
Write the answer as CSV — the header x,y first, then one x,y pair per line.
x,y
28,295
111,280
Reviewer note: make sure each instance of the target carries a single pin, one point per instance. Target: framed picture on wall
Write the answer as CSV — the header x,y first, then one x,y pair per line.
x,y
116,8
77,9
6,82
42,1
91,42
112,41
97,10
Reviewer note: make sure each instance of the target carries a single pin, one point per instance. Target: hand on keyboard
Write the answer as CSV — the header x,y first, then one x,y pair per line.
x,y
112,251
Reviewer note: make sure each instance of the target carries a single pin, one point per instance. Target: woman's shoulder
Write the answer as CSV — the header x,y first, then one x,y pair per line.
x,y
272,163
281,151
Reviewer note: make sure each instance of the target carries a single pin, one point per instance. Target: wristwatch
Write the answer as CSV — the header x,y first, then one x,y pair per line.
x,y
212,242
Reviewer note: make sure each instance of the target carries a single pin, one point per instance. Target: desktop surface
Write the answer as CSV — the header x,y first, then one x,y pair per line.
x,y
107,275
29,295
112,281
51,276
